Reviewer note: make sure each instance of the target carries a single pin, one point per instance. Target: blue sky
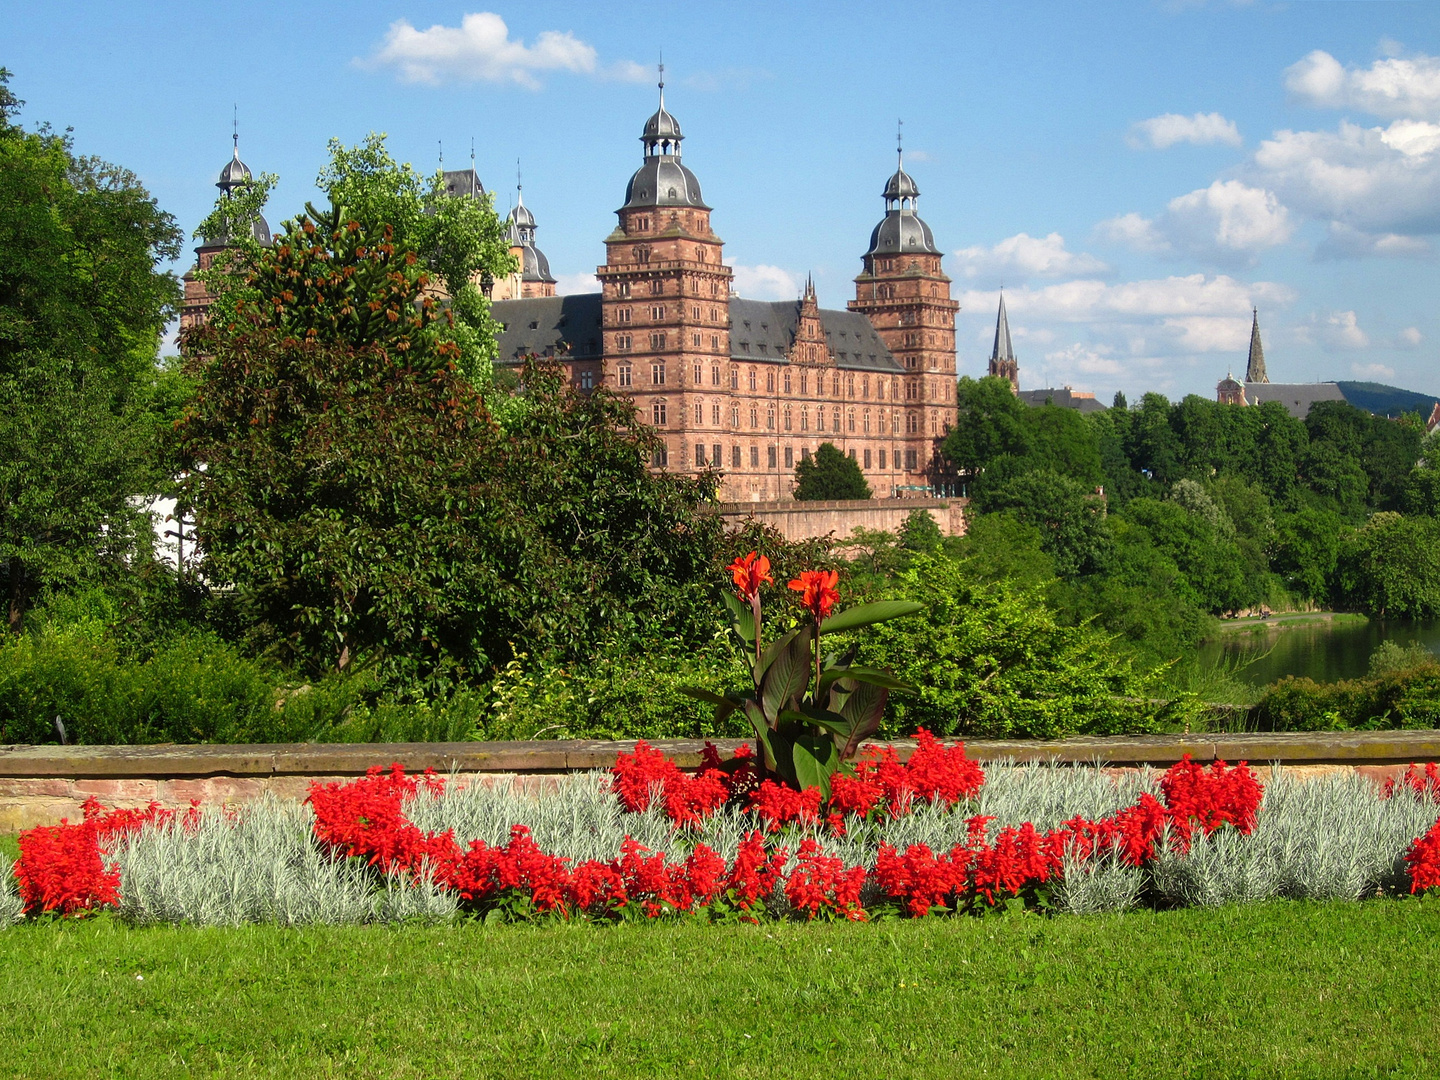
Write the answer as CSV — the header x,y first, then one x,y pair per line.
x,y
1136,175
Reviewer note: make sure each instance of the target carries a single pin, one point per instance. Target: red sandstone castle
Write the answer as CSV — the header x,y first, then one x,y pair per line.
x,y
748,387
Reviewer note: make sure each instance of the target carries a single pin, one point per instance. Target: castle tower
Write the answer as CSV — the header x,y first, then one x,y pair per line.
x,y
905,294
1255,366
665,299
1003,364
195,306
532,276
1229,391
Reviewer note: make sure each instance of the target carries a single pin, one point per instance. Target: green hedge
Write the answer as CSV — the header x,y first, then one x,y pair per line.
x,y
1394,699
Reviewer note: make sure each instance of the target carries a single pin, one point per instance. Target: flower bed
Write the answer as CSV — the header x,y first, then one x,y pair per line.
x,y
646,840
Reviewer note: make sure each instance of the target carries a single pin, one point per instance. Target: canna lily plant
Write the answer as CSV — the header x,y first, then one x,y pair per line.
x,y
810,712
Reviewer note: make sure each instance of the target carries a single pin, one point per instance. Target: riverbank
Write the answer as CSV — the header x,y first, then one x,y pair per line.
x,y
1286,619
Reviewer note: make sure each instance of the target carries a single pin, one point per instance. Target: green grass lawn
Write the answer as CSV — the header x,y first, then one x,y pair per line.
x,y
1283,989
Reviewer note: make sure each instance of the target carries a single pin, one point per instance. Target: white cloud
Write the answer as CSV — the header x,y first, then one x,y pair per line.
x,y
1372,371
921,156
480,49
1084,359
1378,180
1389,87
1150,300
1228,222
764,282
1348,242
567,284
1023,256
1409,338
1334,330
1202,129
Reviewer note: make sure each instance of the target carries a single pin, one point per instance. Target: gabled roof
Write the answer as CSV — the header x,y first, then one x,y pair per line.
x,y
764,330
1296,397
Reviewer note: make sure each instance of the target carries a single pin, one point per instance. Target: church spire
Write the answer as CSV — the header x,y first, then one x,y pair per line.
x,y
1255,368
1003,363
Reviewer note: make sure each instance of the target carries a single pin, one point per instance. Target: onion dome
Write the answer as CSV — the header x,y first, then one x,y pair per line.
x,y
236,174
901,231
662,180
533,264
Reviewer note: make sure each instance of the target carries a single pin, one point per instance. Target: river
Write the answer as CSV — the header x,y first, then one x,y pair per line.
x,y
1323,650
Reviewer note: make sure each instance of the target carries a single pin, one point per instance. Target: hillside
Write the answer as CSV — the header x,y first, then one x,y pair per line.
x,y
1386,400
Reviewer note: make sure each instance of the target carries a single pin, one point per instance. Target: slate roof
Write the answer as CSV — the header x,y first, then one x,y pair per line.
x,y
545,325
1062,396
1003,349
1296,397
765,330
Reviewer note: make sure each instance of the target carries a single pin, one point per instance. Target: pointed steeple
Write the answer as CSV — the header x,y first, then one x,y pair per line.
x,y
1255,368
1003,363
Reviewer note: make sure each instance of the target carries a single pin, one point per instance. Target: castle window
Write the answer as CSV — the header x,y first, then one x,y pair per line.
x,y
734,416
867,421
880,390
752,378
836,418
787,382
624,289
912,423
787,417
835,385
851,419
657,312
804,389
699,413
699,373
657,413
910,461
534,326
754,416
660,458
624,315
622,342
804,419
715,413
850,386
657,374
789,457
770,418
745,347
865,387
895,423
587,380
714,374
715,344
769,380
715,455
770,456
852,453
734,378
700,455
867,459
754,457
882,460
695,314
622,375
657,341
657,287
642,255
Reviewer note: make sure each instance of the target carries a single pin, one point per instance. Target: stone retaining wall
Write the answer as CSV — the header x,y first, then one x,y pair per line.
x,y
41,784
798,520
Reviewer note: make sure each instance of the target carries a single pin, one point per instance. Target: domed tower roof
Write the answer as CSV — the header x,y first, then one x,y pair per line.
x,y
533,264
662,180
236,174
902,231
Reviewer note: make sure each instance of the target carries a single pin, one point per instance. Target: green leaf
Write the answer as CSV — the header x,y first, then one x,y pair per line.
x,y
742,619
724,706
864,708
763,734
815,762
786,677
866,614
858,673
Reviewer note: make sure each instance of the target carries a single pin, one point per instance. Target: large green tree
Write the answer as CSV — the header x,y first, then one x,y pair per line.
x,y
82,306
829,474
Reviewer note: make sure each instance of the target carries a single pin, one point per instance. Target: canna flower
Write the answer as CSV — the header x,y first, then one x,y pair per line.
x,y
749,574
820,592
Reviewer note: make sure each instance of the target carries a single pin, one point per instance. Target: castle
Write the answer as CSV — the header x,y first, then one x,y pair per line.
x,y
746,387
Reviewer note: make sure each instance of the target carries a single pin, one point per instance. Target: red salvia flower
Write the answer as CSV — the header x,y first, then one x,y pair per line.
x,y
1422,860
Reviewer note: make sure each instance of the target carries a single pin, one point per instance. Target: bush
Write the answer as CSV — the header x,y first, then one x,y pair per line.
x,y
1407,697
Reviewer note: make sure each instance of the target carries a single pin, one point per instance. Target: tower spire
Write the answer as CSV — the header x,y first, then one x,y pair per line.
x,y
235,128
1255,366
900,144
1003,363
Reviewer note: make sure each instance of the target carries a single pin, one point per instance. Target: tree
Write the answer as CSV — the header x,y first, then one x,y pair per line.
x,y
1391,567
919,532
1307,548
829,474
1071,520
82,308
989,423
352,486
460,241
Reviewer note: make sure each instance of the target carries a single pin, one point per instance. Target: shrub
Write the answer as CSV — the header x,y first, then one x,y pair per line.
x,y
1405,698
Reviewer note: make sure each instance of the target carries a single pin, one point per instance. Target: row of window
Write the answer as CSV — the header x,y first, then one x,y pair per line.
x,y
624,375
658,312
714,457
914,420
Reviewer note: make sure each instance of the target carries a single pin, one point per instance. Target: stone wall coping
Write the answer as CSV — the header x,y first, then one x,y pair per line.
x,y
805,505
571,755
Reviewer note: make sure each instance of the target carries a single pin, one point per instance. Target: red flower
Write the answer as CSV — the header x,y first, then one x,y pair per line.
x,y
821,593
749,574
